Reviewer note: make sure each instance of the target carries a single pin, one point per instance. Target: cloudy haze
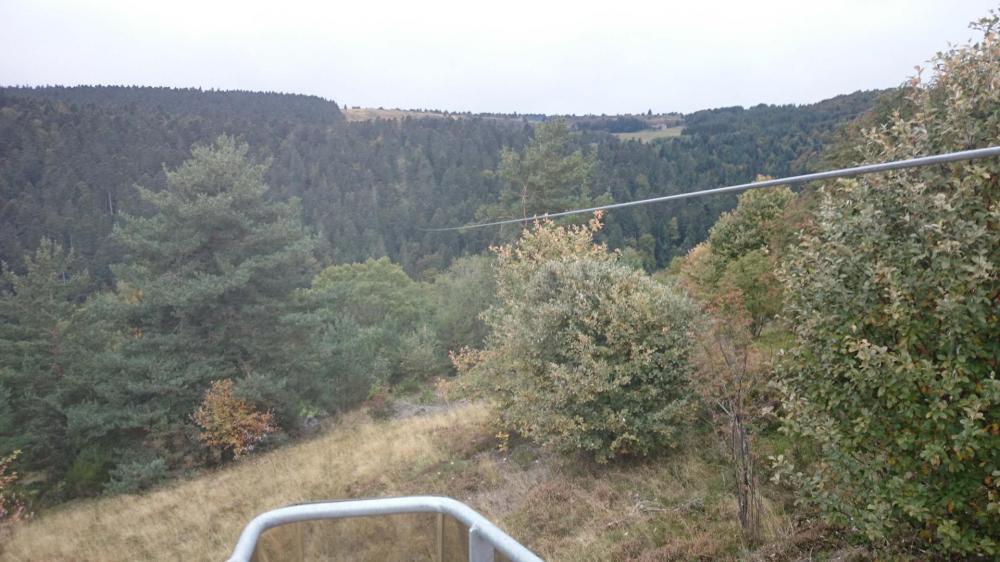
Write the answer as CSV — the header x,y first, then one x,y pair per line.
x,y
524,56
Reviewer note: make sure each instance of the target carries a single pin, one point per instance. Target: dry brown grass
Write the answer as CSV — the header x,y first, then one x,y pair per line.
x,y
371,114
200,519
674,508
649,135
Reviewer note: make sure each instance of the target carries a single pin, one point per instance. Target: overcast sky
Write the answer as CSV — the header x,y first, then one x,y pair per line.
x,y
612,56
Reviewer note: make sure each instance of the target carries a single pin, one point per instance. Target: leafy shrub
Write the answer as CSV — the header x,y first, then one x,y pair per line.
x,y
420,354
585,354
893,299
229,423
372,293
379,404
12,507
460,295
370,306
134,476
88,472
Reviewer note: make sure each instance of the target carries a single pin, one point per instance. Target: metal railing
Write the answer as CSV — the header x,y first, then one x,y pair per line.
x,y
485,538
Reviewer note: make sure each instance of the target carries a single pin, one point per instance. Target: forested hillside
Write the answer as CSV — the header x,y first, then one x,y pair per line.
x,y
143,275
70,157
195,101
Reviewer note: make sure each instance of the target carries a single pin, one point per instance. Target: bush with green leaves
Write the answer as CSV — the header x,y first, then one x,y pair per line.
x,y
88,472
892,380
752,224
371,307
136,475
12,506
585,354
420,355
459,296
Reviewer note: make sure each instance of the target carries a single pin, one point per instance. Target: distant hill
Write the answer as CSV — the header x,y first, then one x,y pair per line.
x,y
233,103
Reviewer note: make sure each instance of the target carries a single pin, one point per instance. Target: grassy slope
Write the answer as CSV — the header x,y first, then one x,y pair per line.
x,y
678,507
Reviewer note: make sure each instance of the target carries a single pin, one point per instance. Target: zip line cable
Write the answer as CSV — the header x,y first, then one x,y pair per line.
x,y
792,180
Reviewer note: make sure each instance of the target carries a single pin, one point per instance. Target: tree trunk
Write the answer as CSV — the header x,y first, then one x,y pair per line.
x,y
746,484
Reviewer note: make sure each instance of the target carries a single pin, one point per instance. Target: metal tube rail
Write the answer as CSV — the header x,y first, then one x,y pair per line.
x,y
793,180
484,537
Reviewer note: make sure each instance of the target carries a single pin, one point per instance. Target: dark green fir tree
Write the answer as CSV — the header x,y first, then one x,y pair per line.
x,y
207,284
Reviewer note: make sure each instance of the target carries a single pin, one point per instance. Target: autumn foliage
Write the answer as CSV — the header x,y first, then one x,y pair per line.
x,y
12,508
585,354
229,423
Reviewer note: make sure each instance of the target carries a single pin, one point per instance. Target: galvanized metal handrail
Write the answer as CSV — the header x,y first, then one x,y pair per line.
x,y
484,537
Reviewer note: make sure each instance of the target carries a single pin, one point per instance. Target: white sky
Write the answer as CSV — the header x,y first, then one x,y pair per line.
x,y
611,56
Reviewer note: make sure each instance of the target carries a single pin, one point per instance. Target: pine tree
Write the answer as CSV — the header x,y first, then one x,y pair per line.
x,y
208,281
36,313
546,177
